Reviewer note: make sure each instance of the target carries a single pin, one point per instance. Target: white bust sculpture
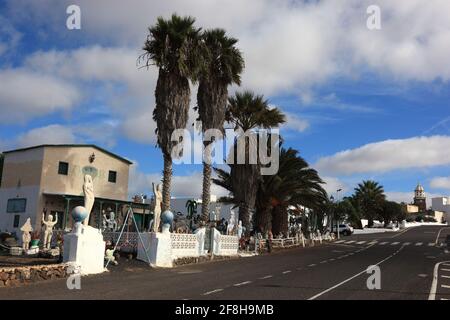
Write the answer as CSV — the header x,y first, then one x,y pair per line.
x,y
26,236
231,223
48,229
157,191
88,190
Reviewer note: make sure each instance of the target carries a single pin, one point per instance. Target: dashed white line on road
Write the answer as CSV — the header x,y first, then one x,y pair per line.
x,y
332,259
349,279
339,241
445,269
407,243
446,264
361,242
312,265
241,283
324,261
430,244
350,241
443,276
445,286
287,271
419,244
266,277
213,291
394,243
443,299
383,243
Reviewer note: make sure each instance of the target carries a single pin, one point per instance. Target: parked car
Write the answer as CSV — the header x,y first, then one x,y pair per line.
x,y
344,229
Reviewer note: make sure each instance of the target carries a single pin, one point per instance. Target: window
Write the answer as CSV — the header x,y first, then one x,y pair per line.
x,y
63,168
112,176
16,221
16,205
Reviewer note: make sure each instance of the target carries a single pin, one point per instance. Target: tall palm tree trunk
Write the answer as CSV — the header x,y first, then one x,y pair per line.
x,y
167,180
264,218
206,192
244,215
280,221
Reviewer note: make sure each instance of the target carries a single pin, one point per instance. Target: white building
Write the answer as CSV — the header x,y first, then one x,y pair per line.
x,y
441,204
178,204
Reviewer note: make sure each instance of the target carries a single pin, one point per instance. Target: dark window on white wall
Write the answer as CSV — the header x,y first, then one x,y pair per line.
x,y
63,168
112,176
16,205
16,221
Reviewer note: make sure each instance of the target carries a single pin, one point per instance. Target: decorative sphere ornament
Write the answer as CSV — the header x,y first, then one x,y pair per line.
x,y
167,217
79,214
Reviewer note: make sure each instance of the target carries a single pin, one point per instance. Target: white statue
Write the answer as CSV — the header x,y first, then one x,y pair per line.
x,y
111,223
48,229
157,191
231,223
26,236
88,190
240,229
109,256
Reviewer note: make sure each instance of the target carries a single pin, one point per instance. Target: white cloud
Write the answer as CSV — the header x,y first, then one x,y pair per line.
x,y
182,186
25,94
440,183
389,155
295,123
332,184
408,197
52,134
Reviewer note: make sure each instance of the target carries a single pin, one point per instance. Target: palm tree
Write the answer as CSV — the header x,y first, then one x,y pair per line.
x,y
294,184
247,111
223,64
172,46
370,197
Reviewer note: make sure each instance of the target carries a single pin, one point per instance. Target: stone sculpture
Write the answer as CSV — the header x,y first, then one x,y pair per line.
x,y
26,236
231,223
157,191
48,229
88,190
111,223
240,229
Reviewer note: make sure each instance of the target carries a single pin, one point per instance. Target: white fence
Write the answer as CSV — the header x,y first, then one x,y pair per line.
x,y
185,245
225,245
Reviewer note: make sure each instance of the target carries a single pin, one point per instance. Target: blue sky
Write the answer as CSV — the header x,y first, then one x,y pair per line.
x,y
361,104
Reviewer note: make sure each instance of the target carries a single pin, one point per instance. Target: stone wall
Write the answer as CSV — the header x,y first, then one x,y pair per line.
x,y
14,276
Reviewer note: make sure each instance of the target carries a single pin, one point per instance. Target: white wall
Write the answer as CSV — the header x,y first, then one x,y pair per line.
x,y
7,219
179,204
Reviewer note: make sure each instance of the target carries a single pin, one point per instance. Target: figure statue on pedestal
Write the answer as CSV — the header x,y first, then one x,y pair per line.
x,y
157,191
231,223
48,229
88,190
111,224
240,229
26,236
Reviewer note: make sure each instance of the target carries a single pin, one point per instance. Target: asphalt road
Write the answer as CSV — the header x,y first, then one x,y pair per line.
x,y
408,262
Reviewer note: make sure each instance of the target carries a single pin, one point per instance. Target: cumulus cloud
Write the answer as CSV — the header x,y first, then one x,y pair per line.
x,y
25,94
408,197
389,155
295,123
52,134
440,183
332,184
189,185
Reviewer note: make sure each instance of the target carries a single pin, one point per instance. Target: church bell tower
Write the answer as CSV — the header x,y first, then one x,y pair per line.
x,y
419,198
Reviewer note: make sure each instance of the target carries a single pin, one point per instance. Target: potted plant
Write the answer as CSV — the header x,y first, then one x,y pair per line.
x,y
35,238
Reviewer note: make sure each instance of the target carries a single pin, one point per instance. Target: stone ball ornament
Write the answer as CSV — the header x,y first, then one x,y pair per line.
x,y
167,217
79,214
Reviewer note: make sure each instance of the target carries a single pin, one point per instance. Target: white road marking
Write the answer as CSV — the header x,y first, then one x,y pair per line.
x,y
373,242
445,269
419,244
332,259
406,243
350,241
432,295
349,279
361,242
446,264
445,286
287,271
213,291
439,233
443,299
266,277
431,244
383,243
394,243
422,275
339,241
241,283
443,276
312,265
324,261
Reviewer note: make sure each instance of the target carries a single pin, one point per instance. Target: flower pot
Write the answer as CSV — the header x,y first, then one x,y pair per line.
x,y
35,243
